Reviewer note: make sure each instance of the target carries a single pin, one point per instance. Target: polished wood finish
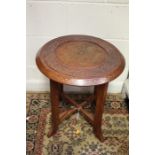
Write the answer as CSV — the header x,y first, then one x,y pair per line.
x,y
101,91
79,60
67,114
55,98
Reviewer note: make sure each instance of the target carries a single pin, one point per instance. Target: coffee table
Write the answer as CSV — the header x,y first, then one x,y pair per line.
x,y
79,60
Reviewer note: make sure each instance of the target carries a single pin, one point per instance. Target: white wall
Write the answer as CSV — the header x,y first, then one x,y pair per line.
x,y
47,19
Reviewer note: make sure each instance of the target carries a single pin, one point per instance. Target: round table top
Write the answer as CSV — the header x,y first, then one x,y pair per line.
x,y
80,60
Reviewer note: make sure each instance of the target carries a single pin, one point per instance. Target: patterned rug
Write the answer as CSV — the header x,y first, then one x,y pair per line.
x,y
67,141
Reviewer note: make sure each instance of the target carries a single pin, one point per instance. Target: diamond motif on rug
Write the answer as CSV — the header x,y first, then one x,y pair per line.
x,y
67,141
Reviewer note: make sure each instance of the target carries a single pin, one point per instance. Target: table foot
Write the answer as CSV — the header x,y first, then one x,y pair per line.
x,y
51,133
100,136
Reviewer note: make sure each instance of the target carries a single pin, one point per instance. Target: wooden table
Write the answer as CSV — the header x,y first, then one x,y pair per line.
x,y
79,60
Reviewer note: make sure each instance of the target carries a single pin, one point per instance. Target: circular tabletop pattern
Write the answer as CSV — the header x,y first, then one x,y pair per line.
x,y
80,53
80,60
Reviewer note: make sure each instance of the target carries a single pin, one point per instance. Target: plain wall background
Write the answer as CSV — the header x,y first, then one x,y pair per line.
x,y
48,19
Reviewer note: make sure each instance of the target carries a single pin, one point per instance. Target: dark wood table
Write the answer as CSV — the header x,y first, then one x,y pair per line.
x,y
79,60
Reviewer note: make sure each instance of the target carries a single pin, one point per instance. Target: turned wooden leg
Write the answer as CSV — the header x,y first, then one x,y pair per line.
x,y
55,97
100,92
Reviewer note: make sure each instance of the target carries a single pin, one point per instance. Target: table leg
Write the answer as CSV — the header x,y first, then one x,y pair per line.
x,y
95,88
100,92
55,98
95,93
61,91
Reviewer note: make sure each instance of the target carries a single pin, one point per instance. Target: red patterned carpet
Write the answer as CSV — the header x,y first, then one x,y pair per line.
x,y
67,141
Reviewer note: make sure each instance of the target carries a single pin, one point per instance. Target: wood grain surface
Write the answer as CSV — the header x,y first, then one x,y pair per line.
x,y
80,60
